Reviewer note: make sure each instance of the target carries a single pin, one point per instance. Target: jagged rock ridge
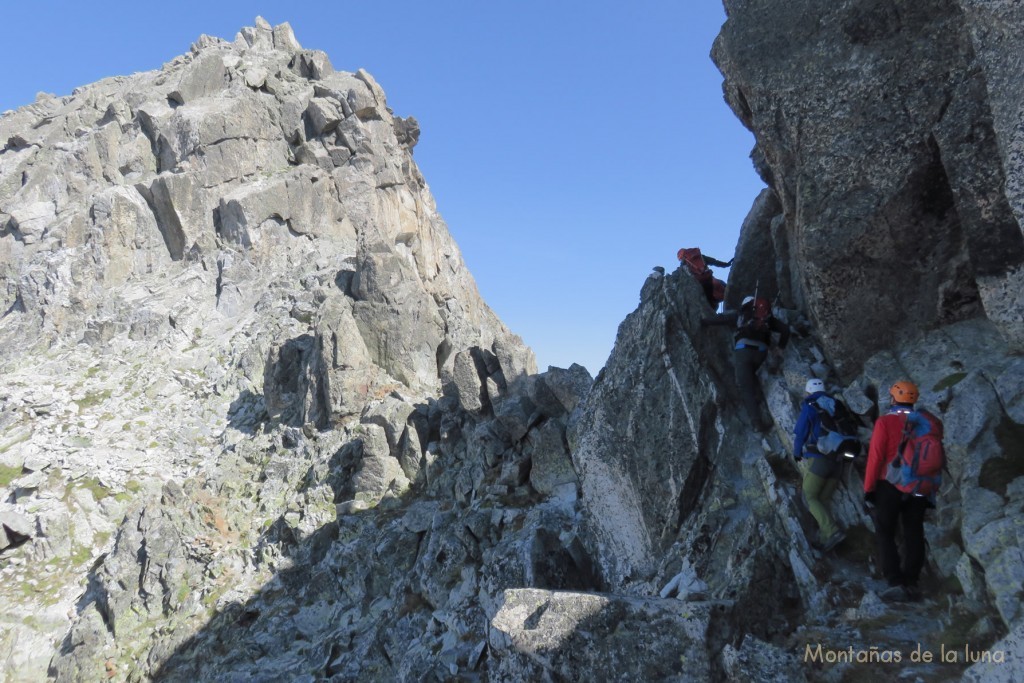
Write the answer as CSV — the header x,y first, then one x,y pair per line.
x,y
238,243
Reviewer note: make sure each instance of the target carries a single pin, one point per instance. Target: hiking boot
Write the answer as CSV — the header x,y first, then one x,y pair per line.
x,y
833,540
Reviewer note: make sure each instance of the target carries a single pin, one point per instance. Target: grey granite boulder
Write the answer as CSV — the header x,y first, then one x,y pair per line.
x,y
541,635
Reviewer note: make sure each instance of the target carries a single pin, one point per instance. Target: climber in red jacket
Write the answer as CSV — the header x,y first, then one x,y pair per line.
x,y
892,506
697,263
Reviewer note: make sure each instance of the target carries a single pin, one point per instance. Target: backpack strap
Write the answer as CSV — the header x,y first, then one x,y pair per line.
x,y
821,408
904,440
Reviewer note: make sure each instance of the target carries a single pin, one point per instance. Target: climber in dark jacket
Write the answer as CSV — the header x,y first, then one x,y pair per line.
x,y
821,472
712,261
754,326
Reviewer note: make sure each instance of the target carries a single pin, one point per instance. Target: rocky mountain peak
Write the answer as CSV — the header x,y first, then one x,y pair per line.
x,y
170,203
235,244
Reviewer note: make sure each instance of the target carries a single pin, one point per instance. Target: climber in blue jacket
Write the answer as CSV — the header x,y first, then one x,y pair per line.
x,y
821,472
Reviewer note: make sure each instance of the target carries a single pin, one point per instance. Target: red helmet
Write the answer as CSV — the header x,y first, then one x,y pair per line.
x,y
904,392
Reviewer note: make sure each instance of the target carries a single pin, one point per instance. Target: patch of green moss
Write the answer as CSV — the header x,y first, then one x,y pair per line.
x,y
9,474
80,555
133,486
949,381
46,588
90,484
880,624
210,599
98,490
92,372
93,398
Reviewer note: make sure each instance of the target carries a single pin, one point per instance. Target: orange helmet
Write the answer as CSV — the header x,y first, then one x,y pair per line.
x,y
904,392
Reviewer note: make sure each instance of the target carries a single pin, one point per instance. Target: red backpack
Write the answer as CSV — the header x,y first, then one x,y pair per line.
x,y
717,291
714,289
754,319
917,467
694,260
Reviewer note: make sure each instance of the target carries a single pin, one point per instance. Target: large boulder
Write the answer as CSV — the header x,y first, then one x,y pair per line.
x,y
541,635
631,486
888,191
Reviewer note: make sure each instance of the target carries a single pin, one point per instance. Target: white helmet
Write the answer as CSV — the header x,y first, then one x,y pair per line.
x,y
747,301
814,385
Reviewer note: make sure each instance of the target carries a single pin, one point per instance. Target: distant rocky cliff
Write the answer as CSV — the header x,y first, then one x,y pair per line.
x,y
237,244
258,423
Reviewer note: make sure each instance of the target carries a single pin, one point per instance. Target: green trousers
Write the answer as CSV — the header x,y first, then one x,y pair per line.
x,y
817,492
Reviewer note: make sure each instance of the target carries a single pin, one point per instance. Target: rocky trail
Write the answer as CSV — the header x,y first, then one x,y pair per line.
x,y
856,635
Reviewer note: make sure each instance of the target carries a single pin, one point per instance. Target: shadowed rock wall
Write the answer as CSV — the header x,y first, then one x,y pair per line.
x,y
884,130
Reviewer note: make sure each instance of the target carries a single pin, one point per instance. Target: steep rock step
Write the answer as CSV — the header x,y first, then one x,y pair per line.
x,y
855,628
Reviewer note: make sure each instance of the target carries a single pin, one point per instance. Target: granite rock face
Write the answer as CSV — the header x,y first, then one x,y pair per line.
x,y
234,168
888,134
236,247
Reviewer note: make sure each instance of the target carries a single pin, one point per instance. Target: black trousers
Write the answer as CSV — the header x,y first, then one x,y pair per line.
x,y
894,508
709,292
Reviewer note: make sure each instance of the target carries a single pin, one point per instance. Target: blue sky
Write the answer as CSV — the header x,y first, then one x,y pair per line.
x,y
571,145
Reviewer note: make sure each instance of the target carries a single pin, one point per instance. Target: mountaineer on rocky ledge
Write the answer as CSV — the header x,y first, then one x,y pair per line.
x,y
755,324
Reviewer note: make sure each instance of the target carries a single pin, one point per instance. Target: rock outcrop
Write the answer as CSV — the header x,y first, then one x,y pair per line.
x,y
266,429
888,134
237,244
